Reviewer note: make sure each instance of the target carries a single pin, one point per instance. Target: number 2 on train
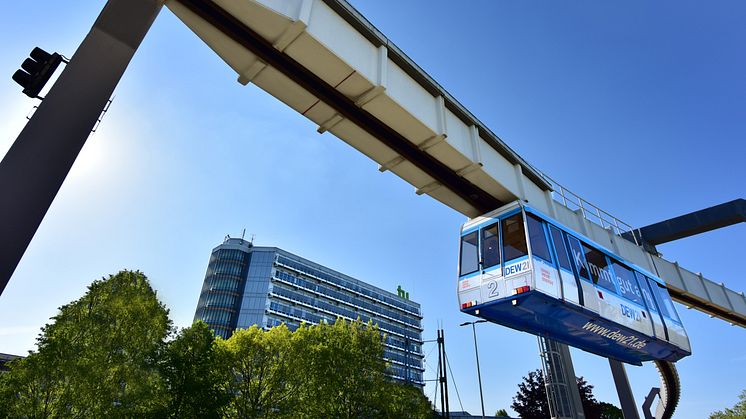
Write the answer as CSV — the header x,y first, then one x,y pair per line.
x,y
492,289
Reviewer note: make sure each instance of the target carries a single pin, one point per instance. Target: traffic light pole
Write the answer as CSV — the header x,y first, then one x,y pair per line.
x,y
32,171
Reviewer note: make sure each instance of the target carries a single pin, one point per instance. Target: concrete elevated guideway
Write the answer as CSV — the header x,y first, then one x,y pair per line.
x,y
323,59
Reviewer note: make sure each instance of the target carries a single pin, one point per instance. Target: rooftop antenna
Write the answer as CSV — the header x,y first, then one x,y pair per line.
x,y
252,238
243,233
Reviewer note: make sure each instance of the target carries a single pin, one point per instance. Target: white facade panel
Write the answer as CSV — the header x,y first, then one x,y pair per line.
x,y
737,301
498,167
693,283
632,253
534,195
232,53
667,272
345,42
566,217
458,133
289,8
716,293
264,21
599,235
411,96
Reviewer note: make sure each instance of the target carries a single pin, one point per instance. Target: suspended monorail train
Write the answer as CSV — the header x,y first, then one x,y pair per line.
x,y
521,269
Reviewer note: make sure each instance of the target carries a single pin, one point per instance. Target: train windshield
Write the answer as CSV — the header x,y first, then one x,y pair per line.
x,y
514,238
469,261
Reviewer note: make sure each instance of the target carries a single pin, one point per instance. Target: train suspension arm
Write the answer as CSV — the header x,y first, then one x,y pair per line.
x,y
669,392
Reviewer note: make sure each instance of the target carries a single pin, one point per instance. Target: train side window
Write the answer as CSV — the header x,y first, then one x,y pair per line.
x,y
578,258
490,247
646,293
514,238
469,261
598,266
627,283
537,238
559,247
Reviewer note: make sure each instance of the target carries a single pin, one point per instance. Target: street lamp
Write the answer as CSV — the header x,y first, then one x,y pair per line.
x,y
476,352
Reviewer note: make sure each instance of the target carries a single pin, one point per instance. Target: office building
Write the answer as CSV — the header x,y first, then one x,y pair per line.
x,y
4,359
249,285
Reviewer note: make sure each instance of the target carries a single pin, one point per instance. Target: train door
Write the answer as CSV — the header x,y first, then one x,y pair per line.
x,y
587,290
546,275
597,268
655,315
570,287
492,285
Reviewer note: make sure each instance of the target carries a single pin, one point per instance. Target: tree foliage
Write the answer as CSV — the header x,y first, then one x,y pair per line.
x,y
591,406
609,411
404,401
97,357
501,412
531,400
194,375
344,369
317,371
736,412
113,353
343,375
262,373
28,389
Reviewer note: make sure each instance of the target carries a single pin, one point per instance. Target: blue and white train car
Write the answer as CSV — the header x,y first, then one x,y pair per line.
x,y
521,269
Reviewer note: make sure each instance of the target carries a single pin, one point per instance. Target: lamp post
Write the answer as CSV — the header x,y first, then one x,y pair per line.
x,y
476,352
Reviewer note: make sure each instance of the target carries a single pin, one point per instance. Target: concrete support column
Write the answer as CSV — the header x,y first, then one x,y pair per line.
x,y
34,168
626,399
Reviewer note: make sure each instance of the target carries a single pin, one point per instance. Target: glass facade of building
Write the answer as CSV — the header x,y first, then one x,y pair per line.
x,y
267,286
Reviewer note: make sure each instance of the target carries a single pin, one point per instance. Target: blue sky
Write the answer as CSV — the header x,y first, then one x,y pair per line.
x,y
639,107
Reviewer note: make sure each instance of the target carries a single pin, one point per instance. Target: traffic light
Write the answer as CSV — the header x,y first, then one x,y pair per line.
x,y
36,71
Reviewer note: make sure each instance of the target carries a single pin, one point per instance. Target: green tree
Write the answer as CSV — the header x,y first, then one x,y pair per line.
x,y
7,395
107,355
736,412
194,375
531,400
404,401
609,411
317,371
264,381
98,356
501,412
28,390
591,407
341,369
